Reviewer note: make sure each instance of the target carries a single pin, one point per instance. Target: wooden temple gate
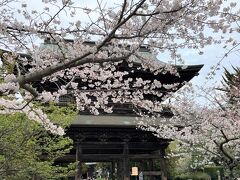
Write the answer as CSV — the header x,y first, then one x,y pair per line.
x,y
121,144
114,138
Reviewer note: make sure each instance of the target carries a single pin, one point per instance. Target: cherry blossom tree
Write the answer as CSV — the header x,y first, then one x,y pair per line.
x,y
90,71
212,131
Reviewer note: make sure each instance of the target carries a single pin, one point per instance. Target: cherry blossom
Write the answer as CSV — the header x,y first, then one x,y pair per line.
x,y
104,39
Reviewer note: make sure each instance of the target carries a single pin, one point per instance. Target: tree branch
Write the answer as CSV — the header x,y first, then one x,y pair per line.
x,y
122,11
29,89
37,75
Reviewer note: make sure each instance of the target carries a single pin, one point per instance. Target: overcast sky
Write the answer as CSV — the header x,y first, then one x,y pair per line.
x,y
212,55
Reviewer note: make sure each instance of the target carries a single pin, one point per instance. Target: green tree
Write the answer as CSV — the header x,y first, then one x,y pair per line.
x,y
231,85
28,151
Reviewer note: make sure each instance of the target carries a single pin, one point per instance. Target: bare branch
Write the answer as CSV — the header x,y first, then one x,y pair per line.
x,y
122,11
55,15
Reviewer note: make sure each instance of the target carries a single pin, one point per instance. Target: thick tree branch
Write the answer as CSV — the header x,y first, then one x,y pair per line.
x,y
221,148
112,33
30,89
37,75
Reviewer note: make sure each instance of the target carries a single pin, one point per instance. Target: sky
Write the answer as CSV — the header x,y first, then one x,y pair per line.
x,y
212,55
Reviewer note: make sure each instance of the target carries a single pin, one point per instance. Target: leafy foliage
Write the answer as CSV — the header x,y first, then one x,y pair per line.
x,y
27,150
193,176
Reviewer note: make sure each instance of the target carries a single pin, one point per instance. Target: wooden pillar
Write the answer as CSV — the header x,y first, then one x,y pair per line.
x,y
163,165
78,174
126,170
164,169
151,168
119,170
113,170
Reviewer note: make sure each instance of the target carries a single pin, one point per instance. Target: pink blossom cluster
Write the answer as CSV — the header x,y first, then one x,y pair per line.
x,y
90,70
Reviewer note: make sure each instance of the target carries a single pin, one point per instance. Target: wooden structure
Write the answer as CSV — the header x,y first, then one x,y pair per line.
x,y
114,139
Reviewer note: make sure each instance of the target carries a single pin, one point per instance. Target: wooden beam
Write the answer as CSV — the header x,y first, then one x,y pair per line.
x,y
120,145
108,157
152,173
